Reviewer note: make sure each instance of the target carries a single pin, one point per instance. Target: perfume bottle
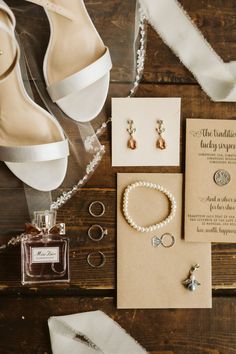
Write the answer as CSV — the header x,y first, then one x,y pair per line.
x,y
44,251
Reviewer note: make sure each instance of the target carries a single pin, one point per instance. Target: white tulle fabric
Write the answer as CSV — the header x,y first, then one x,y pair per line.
x,y
90,333
168,18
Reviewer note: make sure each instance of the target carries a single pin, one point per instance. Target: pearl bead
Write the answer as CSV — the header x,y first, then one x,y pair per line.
x,y
152,186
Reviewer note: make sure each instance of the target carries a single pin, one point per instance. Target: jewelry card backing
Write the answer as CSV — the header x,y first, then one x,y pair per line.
x,y
148,148
152,277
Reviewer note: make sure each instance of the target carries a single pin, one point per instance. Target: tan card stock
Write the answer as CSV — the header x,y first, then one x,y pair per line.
x,y
210,191
145,112
149,277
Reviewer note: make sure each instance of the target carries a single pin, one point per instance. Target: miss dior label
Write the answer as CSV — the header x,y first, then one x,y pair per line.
x,y
210,193
45,255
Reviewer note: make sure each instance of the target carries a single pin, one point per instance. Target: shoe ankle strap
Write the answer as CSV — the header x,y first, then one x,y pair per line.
x,y
9,30
4,7
60,10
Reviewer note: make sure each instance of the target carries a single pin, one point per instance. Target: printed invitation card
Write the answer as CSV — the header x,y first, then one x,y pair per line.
x,y
210,187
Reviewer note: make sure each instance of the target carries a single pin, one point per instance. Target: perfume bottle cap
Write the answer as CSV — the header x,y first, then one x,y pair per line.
x,y
45,219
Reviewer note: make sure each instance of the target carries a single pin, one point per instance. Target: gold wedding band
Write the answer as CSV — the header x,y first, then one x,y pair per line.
x,y
101,264
91,207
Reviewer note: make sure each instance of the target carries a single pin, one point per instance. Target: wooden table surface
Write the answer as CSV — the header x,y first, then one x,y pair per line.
x,y
24,310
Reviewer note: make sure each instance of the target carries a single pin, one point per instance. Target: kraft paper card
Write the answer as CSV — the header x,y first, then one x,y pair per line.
x,y
210,190
145,112
151,277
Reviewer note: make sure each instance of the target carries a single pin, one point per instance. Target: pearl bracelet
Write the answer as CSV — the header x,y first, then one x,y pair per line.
x,y
157,187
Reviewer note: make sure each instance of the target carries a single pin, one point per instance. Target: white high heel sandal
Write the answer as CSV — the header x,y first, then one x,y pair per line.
x,y
32,143
77,64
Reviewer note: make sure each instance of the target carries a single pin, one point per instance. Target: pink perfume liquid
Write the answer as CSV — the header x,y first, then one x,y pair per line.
x,y
45,257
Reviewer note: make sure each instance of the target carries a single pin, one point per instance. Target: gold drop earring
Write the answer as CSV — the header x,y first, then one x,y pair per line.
x,y
161,143
132,143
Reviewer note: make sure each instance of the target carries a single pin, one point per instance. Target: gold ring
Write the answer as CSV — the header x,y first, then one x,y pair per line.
x,y
96,202
103,259
102,231
167,236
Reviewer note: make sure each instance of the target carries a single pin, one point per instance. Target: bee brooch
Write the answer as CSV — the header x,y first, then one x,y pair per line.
x,y
191,283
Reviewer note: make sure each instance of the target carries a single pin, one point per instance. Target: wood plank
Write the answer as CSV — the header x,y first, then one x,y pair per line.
x,y
85,278
216,20
115,23
24,311
116,26
160,331
14,211
194,104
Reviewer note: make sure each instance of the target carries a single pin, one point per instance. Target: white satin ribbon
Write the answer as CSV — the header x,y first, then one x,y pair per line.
x,y
90,333
168,18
